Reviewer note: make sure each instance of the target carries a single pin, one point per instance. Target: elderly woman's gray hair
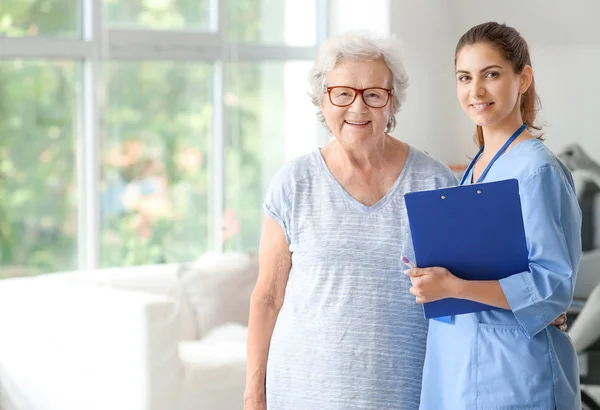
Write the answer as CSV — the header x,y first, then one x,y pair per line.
x,y
359,46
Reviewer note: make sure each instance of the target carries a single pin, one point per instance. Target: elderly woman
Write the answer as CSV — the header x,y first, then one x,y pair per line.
x,y
332,324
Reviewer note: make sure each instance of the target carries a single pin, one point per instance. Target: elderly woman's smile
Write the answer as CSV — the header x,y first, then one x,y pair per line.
x,y
357,123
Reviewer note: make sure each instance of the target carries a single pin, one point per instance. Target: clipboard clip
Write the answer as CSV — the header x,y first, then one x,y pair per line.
x,y
478,193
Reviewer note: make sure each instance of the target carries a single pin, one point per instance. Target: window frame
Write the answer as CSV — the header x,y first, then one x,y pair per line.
x,y
100,44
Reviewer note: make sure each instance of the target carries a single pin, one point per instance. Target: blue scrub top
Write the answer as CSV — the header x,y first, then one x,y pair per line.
x,y
504,359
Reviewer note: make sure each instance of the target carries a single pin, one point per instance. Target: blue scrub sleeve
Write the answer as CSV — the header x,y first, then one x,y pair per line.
x,y
552,220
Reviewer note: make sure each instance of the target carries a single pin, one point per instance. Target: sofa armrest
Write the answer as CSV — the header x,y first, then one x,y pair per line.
x,y
73,346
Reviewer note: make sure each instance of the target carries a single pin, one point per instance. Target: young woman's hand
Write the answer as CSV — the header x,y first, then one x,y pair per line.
x,y
431,284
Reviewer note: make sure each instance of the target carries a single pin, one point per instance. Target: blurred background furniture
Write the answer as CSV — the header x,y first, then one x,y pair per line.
x,y
164,337
584,313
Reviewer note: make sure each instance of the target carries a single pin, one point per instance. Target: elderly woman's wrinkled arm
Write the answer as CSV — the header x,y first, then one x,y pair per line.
x,y
274,268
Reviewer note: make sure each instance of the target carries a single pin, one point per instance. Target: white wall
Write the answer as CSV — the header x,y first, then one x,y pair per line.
x,y
428,120
565,45
568,80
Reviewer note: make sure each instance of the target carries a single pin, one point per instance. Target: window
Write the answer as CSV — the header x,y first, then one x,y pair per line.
x,y
40,18
140,132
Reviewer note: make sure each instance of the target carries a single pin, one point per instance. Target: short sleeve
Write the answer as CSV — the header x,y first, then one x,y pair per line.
x,y
552,221
277,202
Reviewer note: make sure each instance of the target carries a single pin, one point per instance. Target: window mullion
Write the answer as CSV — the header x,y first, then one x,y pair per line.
x,y
44,48
323,12
89,142
217,146
323,31
217,162
183,47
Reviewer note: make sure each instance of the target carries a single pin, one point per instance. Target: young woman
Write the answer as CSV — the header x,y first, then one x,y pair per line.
x,y
507,358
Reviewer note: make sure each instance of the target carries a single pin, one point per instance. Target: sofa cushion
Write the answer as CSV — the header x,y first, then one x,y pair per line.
x,y
219,286
155,279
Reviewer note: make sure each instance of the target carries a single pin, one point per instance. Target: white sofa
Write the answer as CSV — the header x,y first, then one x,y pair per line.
x,y
127,338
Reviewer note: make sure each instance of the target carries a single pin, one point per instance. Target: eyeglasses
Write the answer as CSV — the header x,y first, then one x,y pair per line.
x,y
341,96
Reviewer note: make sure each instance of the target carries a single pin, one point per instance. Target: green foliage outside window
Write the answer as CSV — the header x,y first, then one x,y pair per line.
x,y
38,117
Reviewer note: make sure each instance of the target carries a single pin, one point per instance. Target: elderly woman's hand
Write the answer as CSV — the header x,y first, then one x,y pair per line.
x,y
431,284
255,402
560,322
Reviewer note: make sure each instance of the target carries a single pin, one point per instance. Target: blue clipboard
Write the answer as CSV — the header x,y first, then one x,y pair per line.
x,y
475,231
